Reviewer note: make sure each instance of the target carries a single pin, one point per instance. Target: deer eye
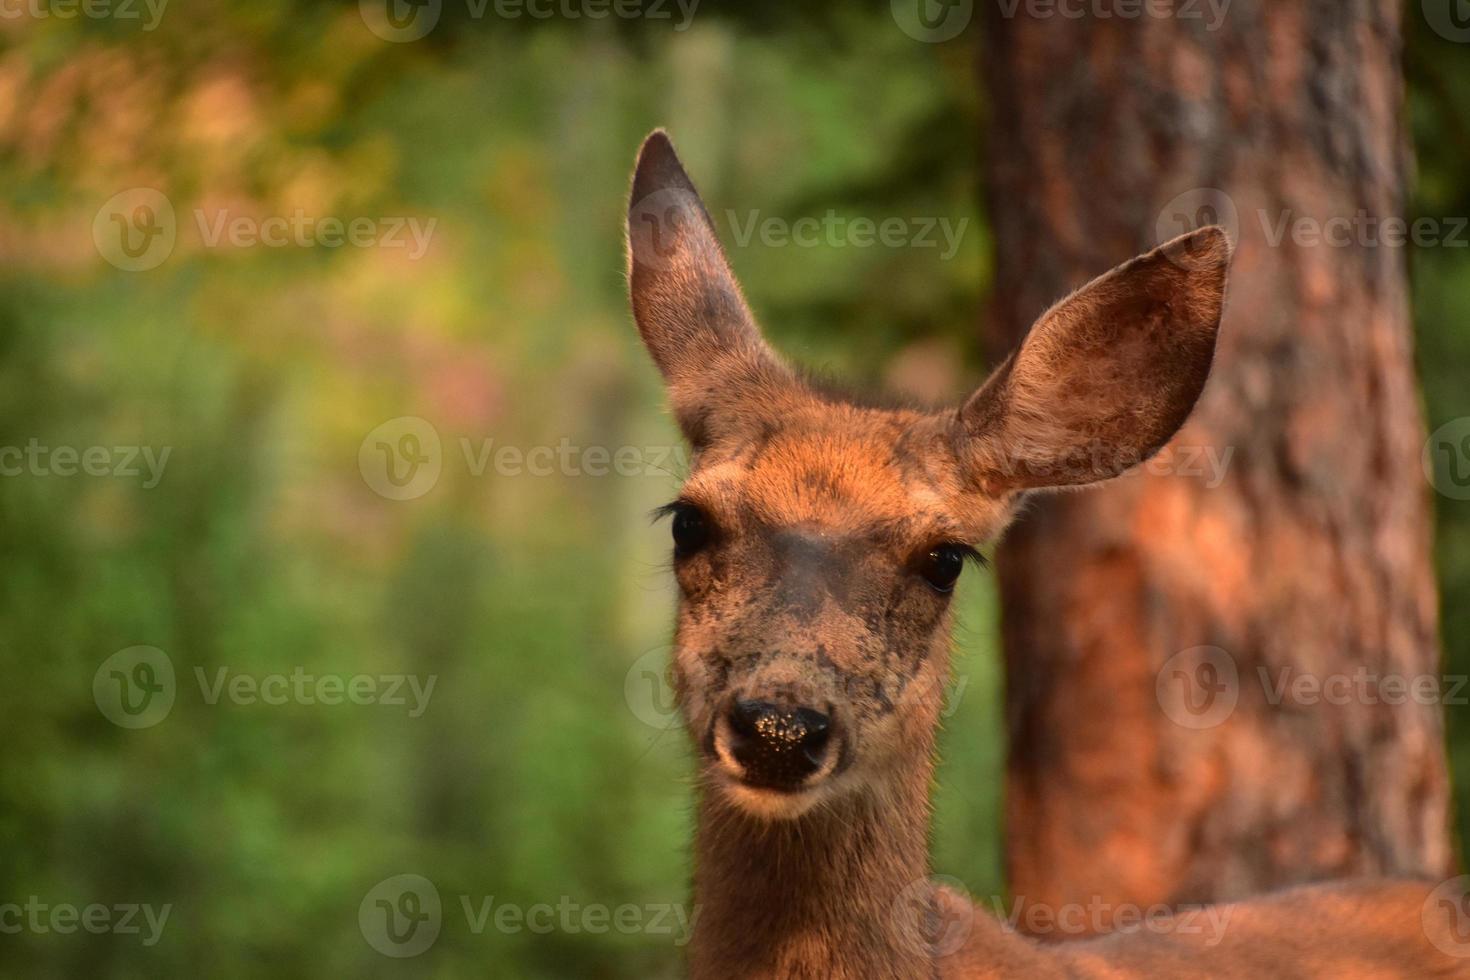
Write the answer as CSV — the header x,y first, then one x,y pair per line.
x,y
942,565
691,529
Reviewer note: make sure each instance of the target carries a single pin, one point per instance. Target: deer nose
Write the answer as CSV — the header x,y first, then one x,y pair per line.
x,y
778,747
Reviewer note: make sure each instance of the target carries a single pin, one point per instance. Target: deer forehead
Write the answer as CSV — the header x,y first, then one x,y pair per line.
x,y
844,472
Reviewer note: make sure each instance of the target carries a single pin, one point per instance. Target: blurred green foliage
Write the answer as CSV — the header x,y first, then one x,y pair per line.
x,y
263,549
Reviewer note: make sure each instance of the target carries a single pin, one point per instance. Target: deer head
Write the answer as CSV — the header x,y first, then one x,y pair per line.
x,y
817,540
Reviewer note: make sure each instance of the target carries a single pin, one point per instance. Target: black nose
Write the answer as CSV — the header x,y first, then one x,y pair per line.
x,y
778,747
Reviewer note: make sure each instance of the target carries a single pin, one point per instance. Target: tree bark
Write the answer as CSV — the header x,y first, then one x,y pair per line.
x,y
1310,556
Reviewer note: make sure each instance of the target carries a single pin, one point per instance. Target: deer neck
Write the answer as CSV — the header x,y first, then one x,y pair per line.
x,y
814,896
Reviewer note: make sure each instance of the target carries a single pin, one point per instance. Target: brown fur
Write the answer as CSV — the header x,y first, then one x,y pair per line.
x,y
807,594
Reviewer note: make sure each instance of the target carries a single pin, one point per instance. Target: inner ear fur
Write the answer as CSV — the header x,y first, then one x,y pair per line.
x,y
1106,376
688,305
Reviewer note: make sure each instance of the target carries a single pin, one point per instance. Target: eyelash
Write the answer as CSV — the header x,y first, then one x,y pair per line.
x,y
971,554
666,510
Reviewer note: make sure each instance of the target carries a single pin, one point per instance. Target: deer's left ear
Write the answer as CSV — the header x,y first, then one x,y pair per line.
x,y
689,308
1106,376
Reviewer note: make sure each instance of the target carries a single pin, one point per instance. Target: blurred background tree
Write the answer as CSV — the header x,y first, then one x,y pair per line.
x,y
1308,555
545,765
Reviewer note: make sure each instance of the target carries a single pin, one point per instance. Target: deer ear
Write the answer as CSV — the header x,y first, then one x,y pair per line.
x,y
1106,376
689,309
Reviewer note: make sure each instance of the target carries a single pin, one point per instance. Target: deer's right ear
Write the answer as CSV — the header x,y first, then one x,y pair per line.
x,y
690,312
1106,376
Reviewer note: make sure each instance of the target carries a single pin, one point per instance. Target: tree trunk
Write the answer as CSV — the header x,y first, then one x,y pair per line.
x,y
1130,778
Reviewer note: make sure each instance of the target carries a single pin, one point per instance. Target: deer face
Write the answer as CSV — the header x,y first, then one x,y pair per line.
x,y
816,556
817,542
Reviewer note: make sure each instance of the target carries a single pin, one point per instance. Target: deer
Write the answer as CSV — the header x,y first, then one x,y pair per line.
x,y
817,541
